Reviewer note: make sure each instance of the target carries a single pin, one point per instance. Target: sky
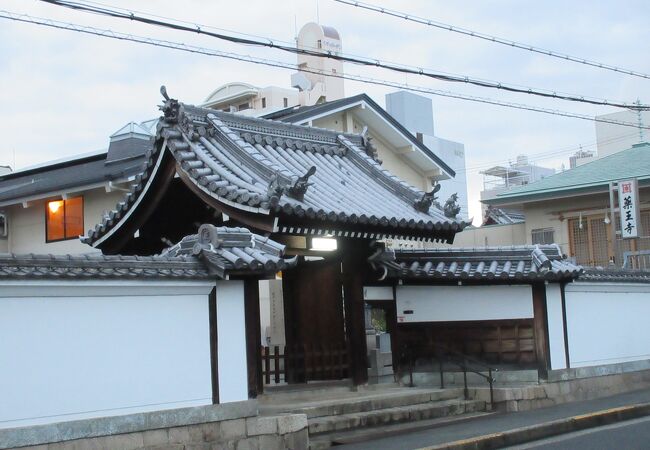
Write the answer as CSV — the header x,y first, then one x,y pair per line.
x,y
64,93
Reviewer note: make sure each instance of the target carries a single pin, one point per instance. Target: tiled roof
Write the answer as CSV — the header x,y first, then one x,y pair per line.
x,y
611,274
61,177
314,181
515,263
231,250
500,216
214,252
631,163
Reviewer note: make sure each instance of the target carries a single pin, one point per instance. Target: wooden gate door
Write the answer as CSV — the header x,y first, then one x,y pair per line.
x,y
314,322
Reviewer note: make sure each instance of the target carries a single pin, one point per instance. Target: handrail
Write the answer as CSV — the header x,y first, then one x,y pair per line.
x,y
464,366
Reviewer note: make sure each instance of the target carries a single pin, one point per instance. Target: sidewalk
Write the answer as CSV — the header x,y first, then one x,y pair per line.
x,y
498,423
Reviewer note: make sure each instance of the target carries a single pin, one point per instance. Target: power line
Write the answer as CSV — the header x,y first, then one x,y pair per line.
x,y
491,38
107,33
79,6
195,25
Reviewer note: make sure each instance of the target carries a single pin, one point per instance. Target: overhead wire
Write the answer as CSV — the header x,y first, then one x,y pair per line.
x,y
107,33
202,26
319,53
492,38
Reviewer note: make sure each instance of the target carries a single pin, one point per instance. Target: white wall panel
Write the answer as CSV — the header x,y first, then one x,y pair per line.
x,y
231,332
555,326
607,323
112,352
455,303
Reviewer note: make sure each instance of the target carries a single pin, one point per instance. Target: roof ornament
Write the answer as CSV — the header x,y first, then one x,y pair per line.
x,y
452,208
276,189
424,203
299,188
170,107
368,145
541,261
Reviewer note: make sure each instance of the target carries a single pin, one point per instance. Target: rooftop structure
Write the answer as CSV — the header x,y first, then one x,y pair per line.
x,y
499,179
250,100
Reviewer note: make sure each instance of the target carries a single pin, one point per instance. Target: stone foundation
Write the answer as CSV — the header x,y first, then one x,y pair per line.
x,y
567,386
229,426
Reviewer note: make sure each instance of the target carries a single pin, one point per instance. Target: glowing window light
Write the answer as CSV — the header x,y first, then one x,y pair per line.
x,y
55,206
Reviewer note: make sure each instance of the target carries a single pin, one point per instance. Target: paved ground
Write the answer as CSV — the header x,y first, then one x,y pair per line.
x,y
628,435
501,422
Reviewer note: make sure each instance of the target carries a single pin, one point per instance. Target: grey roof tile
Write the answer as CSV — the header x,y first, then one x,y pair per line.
x,y
613,274
520,263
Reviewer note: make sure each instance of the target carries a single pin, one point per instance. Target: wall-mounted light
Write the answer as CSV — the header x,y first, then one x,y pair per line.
x,y
580,222
606,220
323,244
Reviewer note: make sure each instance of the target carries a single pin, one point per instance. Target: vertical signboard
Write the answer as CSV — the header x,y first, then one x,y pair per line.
x,y
628,202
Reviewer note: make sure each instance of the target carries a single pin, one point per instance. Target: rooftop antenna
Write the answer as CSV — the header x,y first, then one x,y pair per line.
x,y
317,13
295,28
639,119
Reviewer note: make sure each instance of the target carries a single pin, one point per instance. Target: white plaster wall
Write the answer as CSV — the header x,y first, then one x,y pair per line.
x,y
231,332
88,349
490,235
455,303
607,323
555,326
378,293
27,225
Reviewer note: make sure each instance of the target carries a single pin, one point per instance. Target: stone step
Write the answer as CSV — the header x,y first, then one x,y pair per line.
x,y
407,413
305,392
327,440
369,400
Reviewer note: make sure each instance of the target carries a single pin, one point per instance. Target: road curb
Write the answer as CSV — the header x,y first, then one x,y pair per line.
x,y
548,429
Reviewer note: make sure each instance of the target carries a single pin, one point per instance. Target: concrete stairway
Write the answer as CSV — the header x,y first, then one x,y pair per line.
x,y
341,416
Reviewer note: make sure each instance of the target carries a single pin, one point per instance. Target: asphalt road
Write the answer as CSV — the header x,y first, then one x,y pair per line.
x,y
501,422
628,435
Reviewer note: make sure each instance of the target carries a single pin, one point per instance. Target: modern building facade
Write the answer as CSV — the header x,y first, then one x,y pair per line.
x,y
612,138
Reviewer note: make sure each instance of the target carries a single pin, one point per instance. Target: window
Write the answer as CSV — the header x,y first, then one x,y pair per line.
x,y
3,225
542,236
263,102
64,219
243,107
589,240
286,102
